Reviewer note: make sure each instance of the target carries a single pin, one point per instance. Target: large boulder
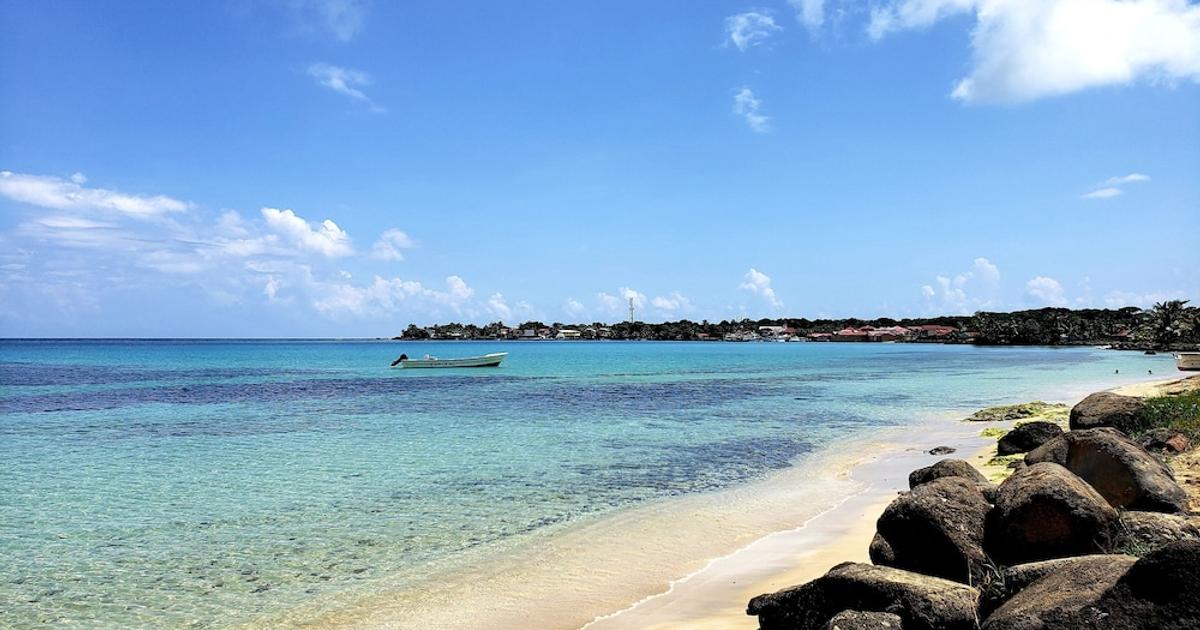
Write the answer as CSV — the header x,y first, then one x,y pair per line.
x,y
1157,591
922,602
1106,409
937,529
1043,511
945,468
881,552
1126,474
1165,441
1052,599
1012,580
858,620
1027,437
1141,532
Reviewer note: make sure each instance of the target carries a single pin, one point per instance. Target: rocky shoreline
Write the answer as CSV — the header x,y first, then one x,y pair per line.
x,y
1088,528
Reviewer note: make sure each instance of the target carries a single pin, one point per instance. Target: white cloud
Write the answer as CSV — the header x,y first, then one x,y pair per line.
x,y
672,303
627,294
1109,187
574,308
327,240
1126,179
271,288
970,290
390,243
1119,299
60,194
750,28
608,302
1103,193
1029,49
386,296
343,19
1046,291
810,13
746,105
497,305
345,81
759,283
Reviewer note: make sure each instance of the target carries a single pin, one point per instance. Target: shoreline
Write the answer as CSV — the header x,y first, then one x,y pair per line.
x,y
640,568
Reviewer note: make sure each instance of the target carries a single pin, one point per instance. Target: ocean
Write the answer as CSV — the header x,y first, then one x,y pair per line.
x,y
212,483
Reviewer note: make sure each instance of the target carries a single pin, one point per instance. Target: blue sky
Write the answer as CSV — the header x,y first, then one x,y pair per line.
x,y
343,168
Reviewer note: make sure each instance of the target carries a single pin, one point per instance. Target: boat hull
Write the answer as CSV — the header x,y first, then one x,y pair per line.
x,y
487,360
1188,361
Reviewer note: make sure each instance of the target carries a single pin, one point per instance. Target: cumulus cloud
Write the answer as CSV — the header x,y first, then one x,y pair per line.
x,y
759,283
345,81
1111,187
969,290
746,105
386,296
47,191
672,303
574,308
1120,299
327,240
750,28
1029,49
389,245
810,13
271,288
609,302
627,294
498,306
1046,290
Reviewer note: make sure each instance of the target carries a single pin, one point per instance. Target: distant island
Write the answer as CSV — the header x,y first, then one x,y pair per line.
x,y
1168,325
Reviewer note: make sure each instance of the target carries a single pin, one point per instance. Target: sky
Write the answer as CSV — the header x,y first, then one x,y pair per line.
x,y
344,167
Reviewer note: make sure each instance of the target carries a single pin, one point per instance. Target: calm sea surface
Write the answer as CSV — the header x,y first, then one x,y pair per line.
x,y
206,483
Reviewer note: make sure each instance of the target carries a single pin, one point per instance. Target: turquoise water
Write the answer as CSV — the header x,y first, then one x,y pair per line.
x,y
204,484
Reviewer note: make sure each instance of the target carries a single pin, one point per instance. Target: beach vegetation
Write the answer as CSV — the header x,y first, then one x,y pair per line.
x,y
1180,412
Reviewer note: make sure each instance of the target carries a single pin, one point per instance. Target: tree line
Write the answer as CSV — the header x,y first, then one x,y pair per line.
x,y
1167,325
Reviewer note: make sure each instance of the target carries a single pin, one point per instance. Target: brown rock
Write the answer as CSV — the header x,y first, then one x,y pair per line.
x,y
937,529
945,468
1126,475
1060,595
1042,512
1166,441
922,602
1027,437
1141,532
858,620
1106,409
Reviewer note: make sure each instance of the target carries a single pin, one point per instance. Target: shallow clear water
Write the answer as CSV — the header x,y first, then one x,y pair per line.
x,y
205,483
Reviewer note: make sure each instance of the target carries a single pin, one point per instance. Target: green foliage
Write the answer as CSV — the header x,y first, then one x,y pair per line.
x,y
1170,322
1054,326
995,433
1180,412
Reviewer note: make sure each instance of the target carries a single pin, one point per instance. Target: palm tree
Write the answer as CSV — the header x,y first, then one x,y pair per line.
x,y
1168,320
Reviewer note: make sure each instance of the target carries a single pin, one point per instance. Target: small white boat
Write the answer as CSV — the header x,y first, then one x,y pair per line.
x,y
1187,361
488,360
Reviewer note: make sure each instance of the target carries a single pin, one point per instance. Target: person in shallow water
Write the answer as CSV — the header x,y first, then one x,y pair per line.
x,y
403,357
